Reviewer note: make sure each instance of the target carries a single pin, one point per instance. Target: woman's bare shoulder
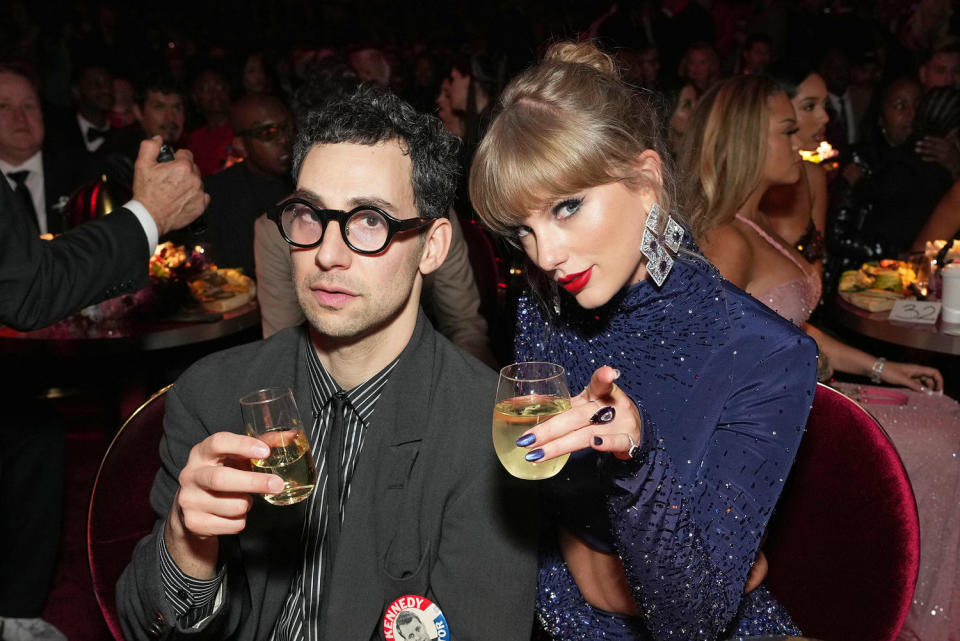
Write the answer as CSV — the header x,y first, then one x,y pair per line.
x,y
729,248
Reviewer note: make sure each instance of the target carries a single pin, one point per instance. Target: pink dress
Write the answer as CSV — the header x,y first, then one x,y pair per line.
x,y
926,432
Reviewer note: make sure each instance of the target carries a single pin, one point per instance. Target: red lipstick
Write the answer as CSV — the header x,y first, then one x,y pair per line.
x,y
575,282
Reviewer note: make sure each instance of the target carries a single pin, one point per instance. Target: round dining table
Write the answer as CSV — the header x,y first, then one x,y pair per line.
x,y
940,337
190,327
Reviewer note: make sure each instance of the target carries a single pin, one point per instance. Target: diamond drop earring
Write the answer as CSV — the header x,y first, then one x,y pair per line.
x,y
655,244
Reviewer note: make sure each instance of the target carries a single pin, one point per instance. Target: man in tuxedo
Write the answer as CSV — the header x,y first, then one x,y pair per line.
x,y
159,111
410,502
85,127
41,179
40,282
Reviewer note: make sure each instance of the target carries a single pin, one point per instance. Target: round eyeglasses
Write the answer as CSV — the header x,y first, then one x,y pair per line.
x,y
365,229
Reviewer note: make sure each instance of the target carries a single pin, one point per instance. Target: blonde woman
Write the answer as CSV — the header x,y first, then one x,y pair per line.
x,y
726,174
654,524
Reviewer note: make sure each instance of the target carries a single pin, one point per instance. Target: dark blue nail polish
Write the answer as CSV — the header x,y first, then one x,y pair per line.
x,y
603,415
526,439
597,440
535,455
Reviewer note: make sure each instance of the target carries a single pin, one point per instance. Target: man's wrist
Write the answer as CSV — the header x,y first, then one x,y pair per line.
x,y
147,222
195,556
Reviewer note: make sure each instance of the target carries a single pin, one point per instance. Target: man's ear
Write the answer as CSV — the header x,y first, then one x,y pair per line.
x,y
137,113
435,246
239,147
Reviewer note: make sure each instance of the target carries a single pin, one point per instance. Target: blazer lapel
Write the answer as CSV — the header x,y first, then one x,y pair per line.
x,y
270,544
376,522
55,188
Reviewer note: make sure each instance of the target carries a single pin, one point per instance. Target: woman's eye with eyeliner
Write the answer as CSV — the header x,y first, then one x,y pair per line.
x,y
521,231
567,208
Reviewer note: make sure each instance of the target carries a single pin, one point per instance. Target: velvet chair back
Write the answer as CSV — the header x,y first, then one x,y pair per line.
x,y
120,512
844,543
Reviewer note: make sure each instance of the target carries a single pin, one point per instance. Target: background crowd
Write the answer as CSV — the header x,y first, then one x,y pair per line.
x,y
200,76
81,84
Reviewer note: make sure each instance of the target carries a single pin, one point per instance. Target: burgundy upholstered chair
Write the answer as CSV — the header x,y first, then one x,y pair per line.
x,y
120,513
844,543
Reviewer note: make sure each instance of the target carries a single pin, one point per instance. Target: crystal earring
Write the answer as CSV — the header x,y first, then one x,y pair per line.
x,y
654,245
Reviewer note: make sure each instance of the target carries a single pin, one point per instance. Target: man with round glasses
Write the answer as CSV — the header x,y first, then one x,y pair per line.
x,y
424,512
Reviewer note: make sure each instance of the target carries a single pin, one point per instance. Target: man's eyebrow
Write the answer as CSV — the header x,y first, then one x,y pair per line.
x,y
358,201
306,194
353,203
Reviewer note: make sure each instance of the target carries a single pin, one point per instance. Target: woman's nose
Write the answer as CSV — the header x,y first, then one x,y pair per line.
x,y
551,252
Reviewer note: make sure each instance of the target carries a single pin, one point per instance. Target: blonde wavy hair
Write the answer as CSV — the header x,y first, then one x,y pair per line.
x,y
724,148
566,124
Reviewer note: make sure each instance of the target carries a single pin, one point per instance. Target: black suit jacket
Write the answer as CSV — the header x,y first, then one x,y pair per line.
x,y
431,512
64,171
44,281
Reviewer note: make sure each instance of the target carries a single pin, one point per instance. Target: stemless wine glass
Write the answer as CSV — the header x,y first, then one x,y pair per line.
x,y
271,415
527,394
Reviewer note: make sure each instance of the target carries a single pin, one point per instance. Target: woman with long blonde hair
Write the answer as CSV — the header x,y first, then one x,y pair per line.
x,y
742,140
653,527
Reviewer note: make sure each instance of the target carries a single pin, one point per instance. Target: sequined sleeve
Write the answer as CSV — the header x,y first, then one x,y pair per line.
x,y
687,546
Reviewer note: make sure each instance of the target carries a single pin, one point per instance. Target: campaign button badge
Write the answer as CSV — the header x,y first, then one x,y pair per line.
x,y
415,618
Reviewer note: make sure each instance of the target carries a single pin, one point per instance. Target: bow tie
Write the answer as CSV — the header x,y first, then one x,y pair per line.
x,y
95,134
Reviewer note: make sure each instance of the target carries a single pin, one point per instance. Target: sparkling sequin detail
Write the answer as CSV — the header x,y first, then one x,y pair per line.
x,y
926,433
725,386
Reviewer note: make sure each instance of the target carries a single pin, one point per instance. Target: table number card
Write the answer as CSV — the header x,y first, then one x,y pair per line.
x,y
915,311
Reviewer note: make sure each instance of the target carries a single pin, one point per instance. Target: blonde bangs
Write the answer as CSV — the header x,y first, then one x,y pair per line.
x,y
531,156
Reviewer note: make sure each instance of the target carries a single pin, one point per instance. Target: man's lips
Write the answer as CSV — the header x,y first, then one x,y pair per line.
x,y
575,282
332,295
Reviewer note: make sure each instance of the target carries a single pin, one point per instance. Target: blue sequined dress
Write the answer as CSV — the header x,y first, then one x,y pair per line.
x,y
724,386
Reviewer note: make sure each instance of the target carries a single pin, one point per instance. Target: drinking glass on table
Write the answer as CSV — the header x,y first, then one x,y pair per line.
x,y
527,395
271,415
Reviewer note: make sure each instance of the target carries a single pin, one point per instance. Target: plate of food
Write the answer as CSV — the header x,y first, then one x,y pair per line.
x,y
222,290
877,285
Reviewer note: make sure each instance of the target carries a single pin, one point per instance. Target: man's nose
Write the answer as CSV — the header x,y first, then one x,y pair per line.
x,y
333,252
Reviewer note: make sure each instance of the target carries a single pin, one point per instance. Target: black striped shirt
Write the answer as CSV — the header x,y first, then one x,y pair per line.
x,y
193,600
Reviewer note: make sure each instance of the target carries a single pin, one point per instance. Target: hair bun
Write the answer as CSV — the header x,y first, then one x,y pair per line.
x,y
583,53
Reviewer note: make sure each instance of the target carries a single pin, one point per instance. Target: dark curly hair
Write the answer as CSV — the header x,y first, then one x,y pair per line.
x,y
368,116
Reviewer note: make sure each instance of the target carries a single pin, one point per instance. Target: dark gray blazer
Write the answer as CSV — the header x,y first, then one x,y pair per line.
x,y
431,512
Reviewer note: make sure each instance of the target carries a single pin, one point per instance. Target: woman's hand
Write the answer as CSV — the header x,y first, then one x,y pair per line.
x,y
919,378
941,151
589,423
758,572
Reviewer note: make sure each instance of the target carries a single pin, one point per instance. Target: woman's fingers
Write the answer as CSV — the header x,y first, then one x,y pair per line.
x,y
560,425
616,443
601,384
919,378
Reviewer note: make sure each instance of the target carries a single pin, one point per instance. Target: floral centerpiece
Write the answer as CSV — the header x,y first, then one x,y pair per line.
x,y
172,267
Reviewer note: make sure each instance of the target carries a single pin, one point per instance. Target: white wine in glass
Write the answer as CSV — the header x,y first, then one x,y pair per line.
x,y
527,395
271,415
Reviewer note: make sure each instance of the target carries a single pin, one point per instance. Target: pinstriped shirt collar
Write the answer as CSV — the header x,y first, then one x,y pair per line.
x,y
361,399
